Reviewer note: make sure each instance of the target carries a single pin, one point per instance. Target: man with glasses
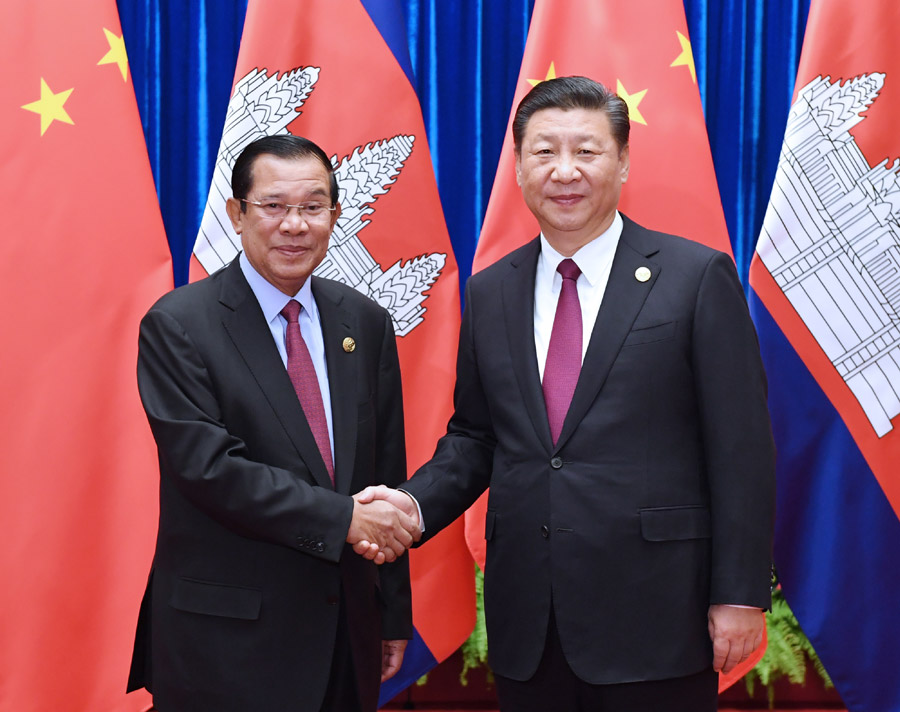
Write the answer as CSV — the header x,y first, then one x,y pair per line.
x,y
273,396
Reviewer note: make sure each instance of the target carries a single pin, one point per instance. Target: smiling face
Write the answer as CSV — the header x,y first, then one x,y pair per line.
x,y
571,171
285,251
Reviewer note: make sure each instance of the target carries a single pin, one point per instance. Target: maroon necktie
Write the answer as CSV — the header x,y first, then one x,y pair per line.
x,y
303,376
564,353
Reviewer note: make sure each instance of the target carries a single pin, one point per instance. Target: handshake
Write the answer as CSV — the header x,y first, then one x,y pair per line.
x,y
385,524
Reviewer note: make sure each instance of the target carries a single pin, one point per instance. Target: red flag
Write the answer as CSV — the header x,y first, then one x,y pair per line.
x,y
640,50
326,71
85,257
826,300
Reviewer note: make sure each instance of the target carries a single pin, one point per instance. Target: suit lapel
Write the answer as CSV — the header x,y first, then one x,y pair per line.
x,y
518,311
339,323
624,297
247,328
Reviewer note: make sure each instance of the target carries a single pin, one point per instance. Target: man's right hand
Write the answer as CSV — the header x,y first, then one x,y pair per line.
x,y
403,502
381,531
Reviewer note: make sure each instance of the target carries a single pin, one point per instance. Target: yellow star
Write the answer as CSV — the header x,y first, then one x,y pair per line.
x,y
632,100
116,54
50,106
551,74
686,58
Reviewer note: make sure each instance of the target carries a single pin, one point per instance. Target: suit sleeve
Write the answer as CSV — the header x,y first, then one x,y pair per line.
x,y
390,463
460,469
210,466
737,438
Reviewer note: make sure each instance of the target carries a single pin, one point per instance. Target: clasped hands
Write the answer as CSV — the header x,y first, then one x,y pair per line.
x,y
385,524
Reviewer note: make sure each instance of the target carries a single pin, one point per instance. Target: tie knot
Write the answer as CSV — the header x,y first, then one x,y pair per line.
x,y
291,311
568,269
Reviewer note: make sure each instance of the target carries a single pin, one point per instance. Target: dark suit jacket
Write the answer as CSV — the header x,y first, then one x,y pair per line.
x,y
251,568
658,498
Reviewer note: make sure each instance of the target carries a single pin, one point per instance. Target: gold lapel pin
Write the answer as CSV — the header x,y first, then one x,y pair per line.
x,y
642,274
349,345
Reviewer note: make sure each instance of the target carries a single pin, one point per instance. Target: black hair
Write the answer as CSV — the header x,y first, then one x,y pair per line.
x,y
282,146
572,93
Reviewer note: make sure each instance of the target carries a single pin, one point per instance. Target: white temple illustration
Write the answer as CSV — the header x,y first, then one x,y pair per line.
x,y
831,240
263,105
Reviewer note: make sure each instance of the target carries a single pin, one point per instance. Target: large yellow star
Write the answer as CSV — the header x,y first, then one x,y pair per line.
x,y
50,106
686,58
116,54
632,100
551,74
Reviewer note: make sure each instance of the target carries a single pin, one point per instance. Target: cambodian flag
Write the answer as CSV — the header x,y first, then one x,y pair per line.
x,y
826,301
338,73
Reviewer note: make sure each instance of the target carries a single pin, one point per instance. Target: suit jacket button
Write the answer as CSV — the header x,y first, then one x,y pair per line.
x,y
320,547
545,531
556,463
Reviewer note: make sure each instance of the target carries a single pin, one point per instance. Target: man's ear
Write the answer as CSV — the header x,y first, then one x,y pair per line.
x,y
233,208
625,160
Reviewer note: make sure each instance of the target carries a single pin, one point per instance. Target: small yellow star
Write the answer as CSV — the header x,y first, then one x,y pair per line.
x,y
686,58
632,100
551,74
50,106
116,54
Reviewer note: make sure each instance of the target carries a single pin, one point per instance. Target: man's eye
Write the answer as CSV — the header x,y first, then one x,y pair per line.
x,y
313,208
275,207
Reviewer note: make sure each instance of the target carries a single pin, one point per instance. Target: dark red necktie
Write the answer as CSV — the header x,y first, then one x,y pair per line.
x,y
564,353
303,376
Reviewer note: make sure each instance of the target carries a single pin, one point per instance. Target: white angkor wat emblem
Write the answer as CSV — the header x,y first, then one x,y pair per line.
x,y
264,104
831,240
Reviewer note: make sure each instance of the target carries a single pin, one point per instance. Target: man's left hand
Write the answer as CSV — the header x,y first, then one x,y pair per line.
x,y
391,657
735,632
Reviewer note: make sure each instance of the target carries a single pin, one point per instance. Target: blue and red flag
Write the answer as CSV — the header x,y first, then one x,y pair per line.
x,y
826,301
338,73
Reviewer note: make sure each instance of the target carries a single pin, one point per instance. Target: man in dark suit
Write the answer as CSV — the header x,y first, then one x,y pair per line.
x,y
272,396
611,394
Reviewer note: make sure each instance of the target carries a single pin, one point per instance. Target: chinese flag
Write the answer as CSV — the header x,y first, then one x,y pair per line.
x,y
348,89
826,302
640,50
85,257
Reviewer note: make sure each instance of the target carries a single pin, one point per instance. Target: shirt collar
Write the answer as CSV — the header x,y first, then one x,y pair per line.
x,y
271,299
592,259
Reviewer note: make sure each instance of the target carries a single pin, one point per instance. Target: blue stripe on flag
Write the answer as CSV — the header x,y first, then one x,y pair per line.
x,y
416,662
388,18
836,537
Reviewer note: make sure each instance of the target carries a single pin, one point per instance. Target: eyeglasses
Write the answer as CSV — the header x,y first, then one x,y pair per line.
x,y
271,210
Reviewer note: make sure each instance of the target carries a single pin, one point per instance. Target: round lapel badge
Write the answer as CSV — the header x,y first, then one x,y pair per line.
x,y
642,274
349,345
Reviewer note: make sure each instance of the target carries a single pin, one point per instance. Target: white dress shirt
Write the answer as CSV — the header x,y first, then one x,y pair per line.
x,y
272,301
595,261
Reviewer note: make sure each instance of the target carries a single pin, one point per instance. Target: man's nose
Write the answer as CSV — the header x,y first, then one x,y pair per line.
x,y
294,220
565,170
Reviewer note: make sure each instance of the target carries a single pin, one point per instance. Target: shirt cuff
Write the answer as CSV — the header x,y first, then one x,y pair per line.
x,y
418,508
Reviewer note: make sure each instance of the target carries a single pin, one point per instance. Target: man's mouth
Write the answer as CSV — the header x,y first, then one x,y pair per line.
x,y
568,199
